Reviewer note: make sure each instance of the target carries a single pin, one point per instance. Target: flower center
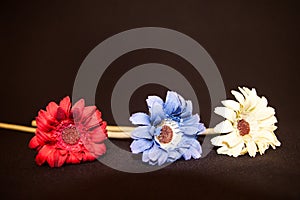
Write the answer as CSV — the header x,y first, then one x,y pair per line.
x,y
244,127
166,134
70,135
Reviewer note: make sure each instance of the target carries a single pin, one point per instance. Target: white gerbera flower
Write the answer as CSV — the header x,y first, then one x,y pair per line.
x,y
249,124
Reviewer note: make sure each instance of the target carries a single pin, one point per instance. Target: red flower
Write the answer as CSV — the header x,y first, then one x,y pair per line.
x,y
68,135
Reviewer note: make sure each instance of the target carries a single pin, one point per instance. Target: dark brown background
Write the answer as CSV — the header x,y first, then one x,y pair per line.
x,y
255,44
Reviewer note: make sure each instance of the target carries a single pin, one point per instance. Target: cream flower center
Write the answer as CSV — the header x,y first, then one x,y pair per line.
x,y
243,127
166,134
70,135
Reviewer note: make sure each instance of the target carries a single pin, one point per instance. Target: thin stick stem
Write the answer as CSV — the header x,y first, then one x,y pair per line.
x,y
111,134
109,128
120,132
17,127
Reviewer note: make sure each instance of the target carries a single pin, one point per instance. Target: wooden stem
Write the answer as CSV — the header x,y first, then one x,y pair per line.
x,y
109,128
17,127
120,132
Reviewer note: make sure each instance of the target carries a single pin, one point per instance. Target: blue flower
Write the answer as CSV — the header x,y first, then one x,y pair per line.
x,y
169,132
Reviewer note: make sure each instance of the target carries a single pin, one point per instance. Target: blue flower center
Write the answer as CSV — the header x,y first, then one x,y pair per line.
x,y
166,134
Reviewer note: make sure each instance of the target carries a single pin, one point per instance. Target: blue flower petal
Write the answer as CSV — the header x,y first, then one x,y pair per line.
x,y
157,131
172,105
187,155
191,121
189,130
201,128
195,153
154,99
195,143
145,157
162,158
173,155
141,132
138,146
190,147
194,121
154,152
175,108
157,114
152,130
140,119
187,141
187,110
182,101
152,162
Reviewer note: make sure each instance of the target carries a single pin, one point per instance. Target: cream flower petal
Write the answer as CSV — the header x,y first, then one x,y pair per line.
x,y
268,137
223,127
262,147
247,100
251,147
253,100
253,92
244,91
250,124
230,140
231,104
247,90
270,128
262,104
238,96
268,112
268,122
226,113
235,151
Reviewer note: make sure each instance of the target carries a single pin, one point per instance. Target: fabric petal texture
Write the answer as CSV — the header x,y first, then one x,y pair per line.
x,y
68,135
169,132
140,119
248,126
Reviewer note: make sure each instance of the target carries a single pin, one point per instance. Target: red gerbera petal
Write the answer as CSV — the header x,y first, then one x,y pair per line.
x,y
103,126
87,113
77,110
65,104
63,152
87,156
42,155
52,109
99,149
78,155
60,114
55,159
33,144
46,116
72,159
42,122
61,160
43,137
59,140
52,158
98,135
94,120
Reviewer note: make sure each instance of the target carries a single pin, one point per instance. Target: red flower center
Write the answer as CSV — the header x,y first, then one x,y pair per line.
x,y
165,135
243,127
70,135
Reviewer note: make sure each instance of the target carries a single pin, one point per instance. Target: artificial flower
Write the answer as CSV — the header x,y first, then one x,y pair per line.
x,y
68,135
169,132
249,124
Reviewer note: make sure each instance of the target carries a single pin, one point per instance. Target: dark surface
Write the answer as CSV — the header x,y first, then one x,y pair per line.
x,y
255,44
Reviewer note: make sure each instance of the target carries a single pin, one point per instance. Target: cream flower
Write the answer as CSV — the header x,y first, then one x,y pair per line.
x,y
249,124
